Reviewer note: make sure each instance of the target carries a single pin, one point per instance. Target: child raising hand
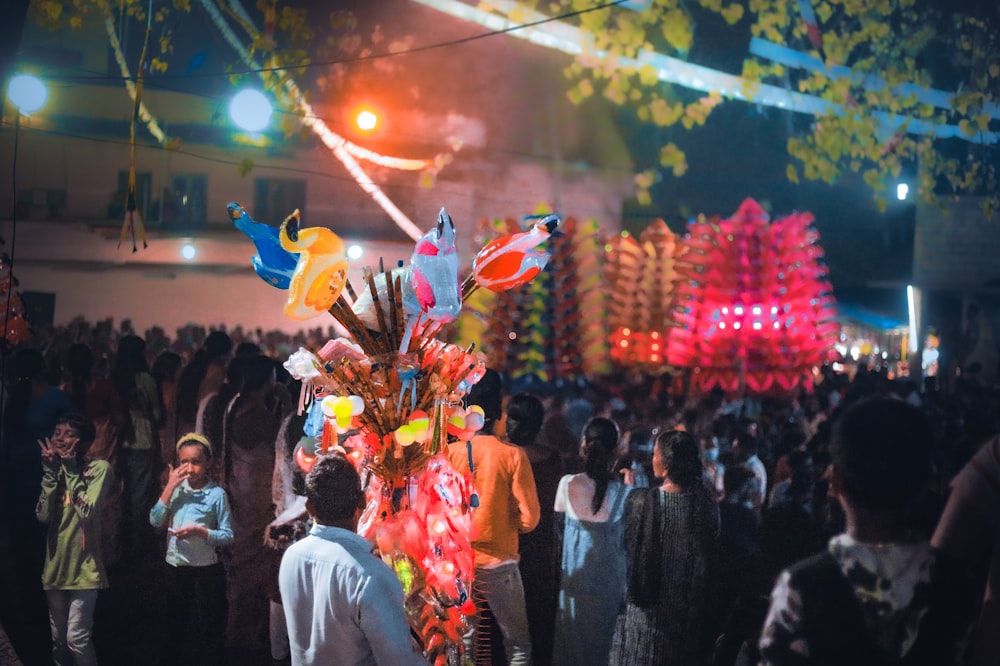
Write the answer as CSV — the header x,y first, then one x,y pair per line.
x,y
198,514
72,497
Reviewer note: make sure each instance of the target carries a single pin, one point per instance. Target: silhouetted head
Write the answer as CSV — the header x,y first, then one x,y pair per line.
x,y
881,450
333,490
525,414
488,394
676,455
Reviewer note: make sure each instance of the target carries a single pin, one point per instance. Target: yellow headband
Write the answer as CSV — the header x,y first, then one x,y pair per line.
x,y
194,438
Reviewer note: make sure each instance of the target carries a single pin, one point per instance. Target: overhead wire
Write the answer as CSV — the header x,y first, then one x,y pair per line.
x,y
361,58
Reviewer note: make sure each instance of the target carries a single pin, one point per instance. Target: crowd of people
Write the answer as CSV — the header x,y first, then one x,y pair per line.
x,y
616,522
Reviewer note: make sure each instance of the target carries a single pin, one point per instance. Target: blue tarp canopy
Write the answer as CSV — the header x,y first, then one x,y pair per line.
x,y
867,317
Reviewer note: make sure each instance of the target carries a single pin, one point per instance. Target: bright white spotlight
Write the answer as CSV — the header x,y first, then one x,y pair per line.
x,y
366,121
188,251
251,110
355,252
902,190
27,93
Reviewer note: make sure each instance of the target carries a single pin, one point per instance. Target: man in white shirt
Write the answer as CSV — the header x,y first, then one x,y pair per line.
x,y
342,604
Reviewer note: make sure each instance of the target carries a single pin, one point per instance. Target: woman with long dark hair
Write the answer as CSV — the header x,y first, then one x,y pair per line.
x,y
524,417
166,372
588,510
671,540
251,425
140,444
97,398
204,374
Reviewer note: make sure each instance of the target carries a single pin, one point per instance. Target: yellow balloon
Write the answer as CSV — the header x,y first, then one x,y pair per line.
x,y
421,424
327,406
404,435
343,409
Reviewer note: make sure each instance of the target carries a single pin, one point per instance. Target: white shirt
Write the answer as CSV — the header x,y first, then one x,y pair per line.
x,y
756,467
342,604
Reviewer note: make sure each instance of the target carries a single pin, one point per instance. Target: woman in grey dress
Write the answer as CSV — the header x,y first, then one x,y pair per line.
x,y
671,541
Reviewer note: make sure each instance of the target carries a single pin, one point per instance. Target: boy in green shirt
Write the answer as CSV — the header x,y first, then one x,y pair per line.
x,y
73,491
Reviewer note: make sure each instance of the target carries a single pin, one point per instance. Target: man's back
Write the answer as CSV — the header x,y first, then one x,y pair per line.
x,y
342,604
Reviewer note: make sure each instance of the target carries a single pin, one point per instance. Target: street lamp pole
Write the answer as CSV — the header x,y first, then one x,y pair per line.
x,y
28,94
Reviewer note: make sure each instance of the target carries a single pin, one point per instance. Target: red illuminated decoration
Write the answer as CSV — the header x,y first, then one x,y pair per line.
x,y
757,310
12,317
642,275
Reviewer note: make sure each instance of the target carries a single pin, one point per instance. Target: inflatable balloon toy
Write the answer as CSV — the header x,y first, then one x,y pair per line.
x,y
305,454
435,272
342,409
321,272
415,431
464,423
273,264
364,306
511,261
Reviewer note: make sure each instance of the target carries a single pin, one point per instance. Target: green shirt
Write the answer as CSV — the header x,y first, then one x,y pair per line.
x,y
71,503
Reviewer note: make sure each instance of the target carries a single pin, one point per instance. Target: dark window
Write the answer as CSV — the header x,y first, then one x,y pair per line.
x,y
186,205
275,199
41,204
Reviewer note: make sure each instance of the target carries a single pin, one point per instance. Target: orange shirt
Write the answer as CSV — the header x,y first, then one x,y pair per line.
x,y
508,501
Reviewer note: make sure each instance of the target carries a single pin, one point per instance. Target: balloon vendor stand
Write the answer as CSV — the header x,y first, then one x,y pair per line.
x,y
389,394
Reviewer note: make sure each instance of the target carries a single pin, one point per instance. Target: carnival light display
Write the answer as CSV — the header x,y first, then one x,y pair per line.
x,y
577,299
643,274
390,395
757,310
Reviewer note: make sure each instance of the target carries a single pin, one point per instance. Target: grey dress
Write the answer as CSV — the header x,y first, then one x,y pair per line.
x,y
592,581
671,540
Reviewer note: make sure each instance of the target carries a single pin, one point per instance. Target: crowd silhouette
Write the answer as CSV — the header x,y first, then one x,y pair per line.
x,y
666,519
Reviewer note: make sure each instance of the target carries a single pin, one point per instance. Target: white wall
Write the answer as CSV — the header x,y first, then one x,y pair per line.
x,y
163,299
94,278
